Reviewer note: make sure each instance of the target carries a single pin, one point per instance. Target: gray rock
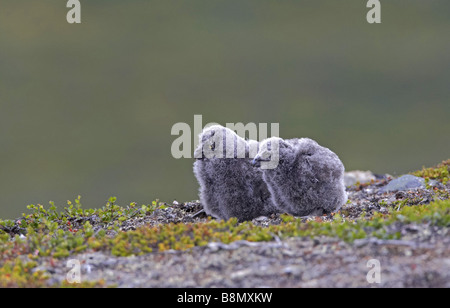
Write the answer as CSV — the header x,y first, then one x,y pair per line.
x,y
405,182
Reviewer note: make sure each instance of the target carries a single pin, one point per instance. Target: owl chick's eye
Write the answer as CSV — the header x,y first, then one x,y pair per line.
x,y
283,145
212,146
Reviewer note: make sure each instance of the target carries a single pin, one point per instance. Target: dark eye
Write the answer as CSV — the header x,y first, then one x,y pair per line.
x,y
212,146
284,145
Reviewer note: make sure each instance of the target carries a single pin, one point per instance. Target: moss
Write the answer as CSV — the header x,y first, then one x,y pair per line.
x,y
19,274
440,172
84,284
22,274
436,213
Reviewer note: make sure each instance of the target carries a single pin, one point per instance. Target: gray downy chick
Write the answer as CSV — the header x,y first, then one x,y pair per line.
x,y
309,178
230,186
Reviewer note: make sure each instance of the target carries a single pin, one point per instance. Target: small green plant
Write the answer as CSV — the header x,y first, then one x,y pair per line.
x,y
18,274
49,233
383,203
440,172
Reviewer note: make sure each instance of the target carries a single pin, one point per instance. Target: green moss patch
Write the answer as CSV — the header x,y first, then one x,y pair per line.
x,y
440,172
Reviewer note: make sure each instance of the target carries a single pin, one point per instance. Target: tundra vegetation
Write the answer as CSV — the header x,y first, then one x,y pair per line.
x,y
54,234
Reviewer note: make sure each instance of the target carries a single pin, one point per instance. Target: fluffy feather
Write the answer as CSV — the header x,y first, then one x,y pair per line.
x,y
309,178
230,186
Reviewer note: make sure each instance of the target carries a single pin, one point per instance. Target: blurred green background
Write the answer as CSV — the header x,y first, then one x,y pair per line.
x,y
88,109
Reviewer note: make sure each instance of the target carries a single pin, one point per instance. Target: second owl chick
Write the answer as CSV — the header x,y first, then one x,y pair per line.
x,y
309,178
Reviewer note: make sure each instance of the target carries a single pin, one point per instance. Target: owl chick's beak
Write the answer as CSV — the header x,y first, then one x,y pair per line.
x,y
256,162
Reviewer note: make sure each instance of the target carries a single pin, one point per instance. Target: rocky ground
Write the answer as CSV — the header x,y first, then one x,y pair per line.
x,y
420,258
295,262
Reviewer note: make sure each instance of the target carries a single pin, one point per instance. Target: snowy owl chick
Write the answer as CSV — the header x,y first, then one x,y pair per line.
x,y
309,178
230,186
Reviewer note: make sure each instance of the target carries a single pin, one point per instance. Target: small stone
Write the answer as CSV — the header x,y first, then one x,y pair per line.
x,y
241,274
405,182
293,270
